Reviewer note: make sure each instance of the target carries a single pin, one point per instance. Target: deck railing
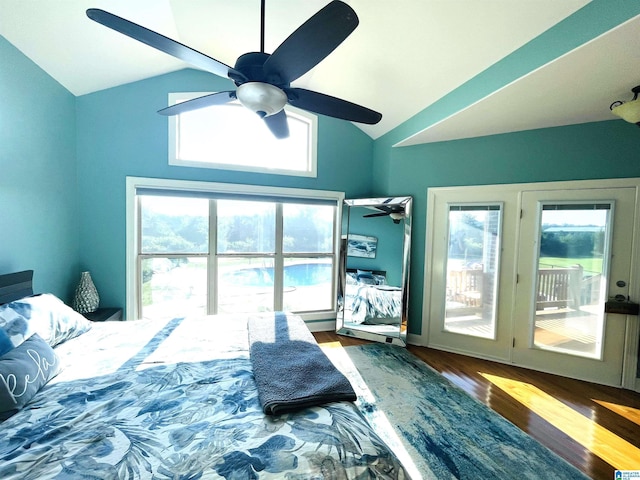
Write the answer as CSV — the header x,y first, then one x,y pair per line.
x,y
557,287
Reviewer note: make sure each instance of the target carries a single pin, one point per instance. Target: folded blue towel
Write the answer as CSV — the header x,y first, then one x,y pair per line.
x,y
291,370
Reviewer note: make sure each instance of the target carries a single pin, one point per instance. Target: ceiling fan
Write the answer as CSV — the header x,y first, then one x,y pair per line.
x,y
263,80
396,212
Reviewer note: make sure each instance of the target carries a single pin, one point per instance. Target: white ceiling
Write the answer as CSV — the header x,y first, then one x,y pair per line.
x,y
403,57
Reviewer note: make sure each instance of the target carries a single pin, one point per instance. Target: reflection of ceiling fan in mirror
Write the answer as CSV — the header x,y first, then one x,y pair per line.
x,y
396,212
263,80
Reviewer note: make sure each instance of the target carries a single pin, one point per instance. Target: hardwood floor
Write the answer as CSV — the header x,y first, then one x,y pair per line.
x,y
594,427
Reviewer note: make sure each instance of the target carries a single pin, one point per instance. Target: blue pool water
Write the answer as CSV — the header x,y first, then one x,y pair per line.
x,y
299,275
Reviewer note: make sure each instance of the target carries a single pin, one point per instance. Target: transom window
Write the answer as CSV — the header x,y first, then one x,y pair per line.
x,y
212,252
231,137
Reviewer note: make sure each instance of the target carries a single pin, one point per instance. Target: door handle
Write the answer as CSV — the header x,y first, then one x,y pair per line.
x,y
621,304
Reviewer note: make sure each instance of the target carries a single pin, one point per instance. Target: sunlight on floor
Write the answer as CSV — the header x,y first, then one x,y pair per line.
x,y
330,344
630,413
616,451
382,426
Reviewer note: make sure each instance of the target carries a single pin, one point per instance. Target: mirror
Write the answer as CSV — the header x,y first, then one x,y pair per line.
x,y
374,269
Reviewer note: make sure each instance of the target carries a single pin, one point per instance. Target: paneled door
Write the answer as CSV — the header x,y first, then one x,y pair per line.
x,y
573,253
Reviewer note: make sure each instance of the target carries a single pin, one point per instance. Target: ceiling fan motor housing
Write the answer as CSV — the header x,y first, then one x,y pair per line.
x,y
251,66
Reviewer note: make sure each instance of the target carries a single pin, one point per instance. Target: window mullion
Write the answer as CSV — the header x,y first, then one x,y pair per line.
x,y
212,264
138,246
278,270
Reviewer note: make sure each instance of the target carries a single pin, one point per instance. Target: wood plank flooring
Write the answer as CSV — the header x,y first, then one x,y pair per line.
x,y
594,427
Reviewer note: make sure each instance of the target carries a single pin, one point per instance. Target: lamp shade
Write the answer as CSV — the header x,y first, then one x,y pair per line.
x,y
629,111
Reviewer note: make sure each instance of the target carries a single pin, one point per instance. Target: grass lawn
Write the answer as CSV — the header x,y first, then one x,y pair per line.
x,y
590,265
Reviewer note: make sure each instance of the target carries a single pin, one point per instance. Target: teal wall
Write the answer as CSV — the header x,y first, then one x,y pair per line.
x,y
38,182
389,247
119,134
591,151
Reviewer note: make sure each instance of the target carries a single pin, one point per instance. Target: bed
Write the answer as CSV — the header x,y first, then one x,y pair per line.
x,y
158,399
369,300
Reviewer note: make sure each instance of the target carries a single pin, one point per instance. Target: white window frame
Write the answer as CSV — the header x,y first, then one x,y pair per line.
x,y
133,184
307,117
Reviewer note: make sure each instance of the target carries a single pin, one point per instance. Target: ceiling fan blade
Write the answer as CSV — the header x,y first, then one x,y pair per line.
x,y
278,124
382,214
219,98
331,106
164,44
311,43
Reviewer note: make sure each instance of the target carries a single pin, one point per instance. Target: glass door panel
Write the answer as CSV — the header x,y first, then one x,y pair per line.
x,y
470,263
574,247
472,270
571,278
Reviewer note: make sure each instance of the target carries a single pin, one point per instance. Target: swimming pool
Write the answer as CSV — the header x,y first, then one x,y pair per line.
x,y
298,275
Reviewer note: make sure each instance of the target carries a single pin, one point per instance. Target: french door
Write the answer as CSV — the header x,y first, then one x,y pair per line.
x,y
574,252
521,275
471,262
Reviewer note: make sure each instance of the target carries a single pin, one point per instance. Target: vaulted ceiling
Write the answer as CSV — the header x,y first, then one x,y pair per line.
x,y
404,56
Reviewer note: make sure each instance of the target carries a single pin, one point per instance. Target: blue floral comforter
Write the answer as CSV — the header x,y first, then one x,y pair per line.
x,y
376,304
177,400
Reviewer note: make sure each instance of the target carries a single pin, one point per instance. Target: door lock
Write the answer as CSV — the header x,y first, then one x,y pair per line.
x,y
621,304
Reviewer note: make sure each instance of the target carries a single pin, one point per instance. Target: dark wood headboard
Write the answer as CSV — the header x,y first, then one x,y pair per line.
x,y
14,286
375,272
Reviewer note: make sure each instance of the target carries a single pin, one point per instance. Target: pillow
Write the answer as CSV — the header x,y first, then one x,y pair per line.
x,y
5,342
23,372
45,315
14,326
380,279
366,277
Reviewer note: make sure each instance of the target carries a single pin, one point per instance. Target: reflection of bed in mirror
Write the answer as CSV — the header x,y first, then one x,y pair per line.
x,y
370,302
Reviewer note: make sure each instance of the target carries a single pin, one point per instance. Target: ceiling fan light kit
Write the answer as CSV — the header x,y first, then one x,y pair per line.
x,y
262,98
263,80
628,111
394,208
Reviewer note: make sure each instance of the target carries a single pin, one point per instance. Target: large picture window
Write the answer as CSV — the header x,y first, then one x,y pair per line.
x,y
214,252
231,137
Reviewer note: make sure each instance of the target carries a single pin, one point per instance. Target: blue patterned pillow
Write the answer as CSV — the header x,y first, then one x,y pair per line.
x,y
45,315
366,277
23,372
5,342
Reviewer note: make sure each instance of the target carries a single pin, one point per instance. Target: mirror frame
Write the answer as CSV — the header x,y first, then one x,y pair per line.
x,y
406,203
